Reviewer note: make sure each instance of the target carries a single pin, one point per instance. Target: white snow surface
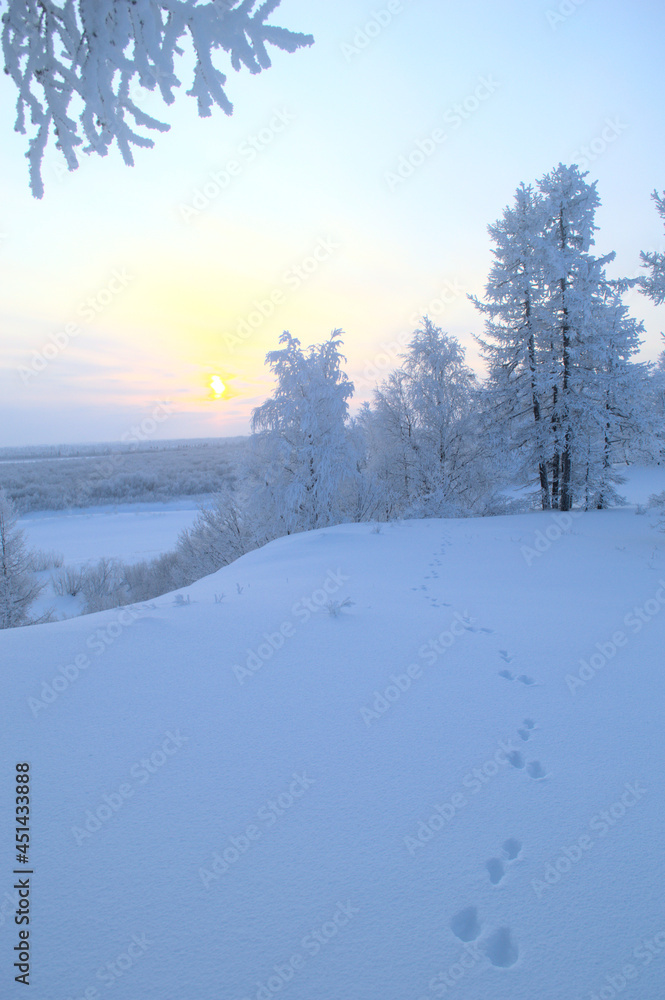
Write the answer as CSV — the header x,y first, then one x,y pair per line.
x,y
130,532
306,827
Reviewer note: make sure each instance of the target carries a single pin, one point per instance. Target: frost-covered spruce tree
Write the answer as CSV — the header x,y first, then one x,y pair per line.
x,y
517,344
654,285
18,587
77,65
305,451
558,342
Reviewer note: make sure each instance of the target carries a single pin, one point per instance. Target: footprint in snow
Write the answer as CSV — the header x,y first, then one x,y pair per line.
x,y
496,870
512,848
523,678
496,867
534,768
467,623
465,924
503,653
525,733
501,948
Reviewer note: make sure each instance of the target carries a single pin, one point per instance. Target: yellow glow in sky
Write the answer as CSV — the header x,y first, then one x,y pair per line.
x,y
217,386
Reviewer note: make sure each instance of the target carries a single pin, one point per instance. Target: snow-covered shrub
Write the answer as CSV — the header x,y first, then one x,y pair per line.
x,y
148,579
120,473
657,503
103,586
219,535
335,608
18,587
41,560
68,582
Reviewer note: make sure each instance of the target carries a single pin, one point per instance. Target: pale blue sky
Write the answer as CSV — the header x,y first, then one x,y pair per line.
x,y
170,288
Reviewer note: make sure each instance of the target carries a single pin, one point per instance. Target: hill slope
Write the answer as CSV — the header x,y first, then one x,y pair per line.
x,y
424,794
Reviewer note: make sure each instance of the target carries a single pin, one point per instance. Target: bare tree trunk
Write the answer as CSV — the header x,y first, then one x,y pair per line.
x,y
542,465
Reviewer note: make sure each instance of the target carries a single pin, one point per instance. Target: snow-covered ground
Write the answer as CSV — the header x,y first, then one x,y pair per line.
x,y
454,786
130,532
83,536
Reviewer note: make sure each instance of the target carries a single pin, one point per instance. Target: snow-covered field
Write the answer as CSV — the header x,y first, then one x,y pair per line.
x,y
130,532
454,786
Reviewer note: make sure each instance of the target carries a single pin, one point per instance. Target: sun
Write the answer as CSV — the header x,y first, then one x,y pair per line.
x,y
217,386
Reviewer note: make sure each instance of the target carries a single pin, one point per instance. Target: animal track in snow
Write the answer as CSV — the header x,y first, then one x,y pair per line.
x,y
496,870
496,867
467,623
534,768
465,924
501,948
512,848
525,734
503,653
523,678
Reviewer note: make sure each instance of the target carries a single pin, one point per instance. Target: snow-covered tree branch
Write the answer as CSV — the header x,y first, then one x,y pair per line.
x,y
88,53
654,285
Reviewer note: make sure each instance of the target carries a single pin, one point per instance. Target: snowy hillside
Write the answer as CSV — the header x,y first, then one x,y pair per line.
x,y
454,785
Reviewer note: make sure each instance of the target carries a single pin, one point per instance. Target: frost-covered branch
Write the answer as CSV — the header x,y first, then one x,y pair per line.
x,y
654,285
88,53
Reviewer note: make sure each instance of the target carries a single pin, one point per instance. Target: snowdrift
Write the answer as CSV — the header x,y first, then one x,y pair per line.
x,y
452,786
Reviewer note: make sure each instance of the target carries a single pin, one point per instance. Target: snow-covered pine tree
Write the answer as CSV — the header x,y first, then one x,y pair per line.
x,y
307,456
558,342
18,587
79,60
653,286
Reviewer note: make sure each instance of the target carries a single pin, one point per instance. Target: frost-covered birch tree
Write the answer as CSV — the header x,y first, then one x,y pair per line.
x,y
76,64
428,449
308,456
